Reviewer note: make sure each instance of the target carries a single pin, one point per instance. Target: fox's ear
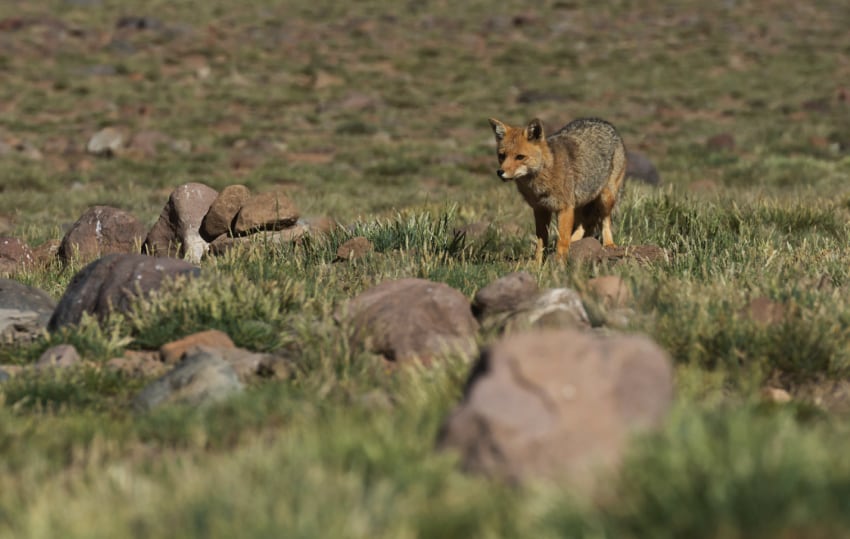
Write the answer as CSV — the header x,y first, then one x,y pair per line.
x,y
534,131
498,128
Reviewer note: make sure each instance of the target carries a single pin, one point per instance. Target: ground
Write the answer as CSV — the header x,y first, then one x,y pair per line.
x,y
376,114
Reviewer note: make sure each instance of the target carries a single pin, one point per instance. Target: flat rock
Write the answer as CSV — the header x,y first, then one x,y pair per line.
x,y
171,353
410,319
110,284
354,248
201,378
266,211
101,230
15,255
559,405
268,238
177,231
24,312
219,219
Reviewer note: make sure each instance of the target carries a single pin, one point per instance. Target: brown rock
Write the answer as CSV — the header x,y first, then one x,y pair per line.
x,y
505,294
354,248
266,211
141,364
585,250
222,212
269,238
559,405
171,353
411,319
611,289
177,232
15,255
321,225
101,230
60,356
47,252
111,283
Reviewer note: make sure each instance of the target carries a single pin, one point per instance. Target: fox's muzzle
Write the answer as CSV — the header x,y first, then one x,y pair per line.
x,y
501,174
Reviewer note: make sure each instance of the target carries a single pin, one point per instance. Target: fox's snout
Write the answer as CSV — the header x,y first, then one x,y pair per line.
x,y
501,174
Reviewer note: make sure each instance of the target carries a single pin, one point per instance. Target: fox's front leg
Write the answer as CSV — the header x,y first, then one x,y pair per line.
x,y
542,218
566,218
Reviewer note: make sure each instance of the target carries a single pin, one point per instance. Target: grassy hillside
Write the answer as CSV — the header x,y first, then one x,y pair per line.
x,y
375,114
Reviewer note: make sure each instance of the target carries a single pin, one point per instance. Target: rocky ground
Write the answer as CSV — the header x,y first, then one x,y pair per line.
x,y
258,277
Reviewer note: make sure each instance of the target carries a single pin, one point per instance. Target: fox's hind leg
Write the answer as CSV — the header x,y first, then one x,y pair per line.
x,y
608,198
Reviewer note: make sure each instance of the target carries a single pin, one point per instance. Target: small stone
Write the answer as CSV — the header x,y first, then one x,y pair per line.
x,y
171,353
354,248
15,255
106,142
505,294
200,379
639,167
60,356
138,364
775,395
552,308
266,211
611,289
585,250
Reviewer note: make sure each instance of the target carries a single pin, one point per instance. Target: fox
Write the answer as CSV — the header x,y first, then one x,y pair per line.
x,y
576,173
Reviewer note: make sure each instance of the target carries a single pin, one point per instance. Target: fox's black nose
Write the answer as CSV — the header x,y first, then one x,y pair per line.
x,y
500,173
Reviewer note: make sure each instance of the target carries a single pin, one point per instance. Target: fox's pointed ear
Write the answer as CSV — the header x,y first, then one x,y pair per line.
x,y
534,131
498,128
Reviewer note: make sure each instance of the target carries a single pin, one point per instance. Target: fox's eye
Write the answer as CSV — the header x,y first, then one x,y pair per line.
x,y
501,157
520,157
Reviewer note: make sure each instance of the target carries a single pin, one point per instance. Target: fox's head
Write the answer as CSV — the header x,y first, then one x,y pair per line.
x,y
521,150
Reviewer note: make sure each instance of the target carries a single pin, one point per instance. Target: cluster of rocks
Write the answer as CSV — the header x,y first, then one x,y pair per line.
x,y
196,221
550,397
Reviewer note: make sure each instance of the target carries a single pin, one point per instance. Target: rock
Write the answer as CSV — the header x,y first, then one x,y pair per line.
x,y
552,308
171,353
473,231
101,230
611,290
585,250
110,284
15,255
270,238
222,212
353,249
411,319
775,395
147,143
106,142
504,295
138,364
320,225
559,405
24,312
60,356
764,311
177,232
266,211
47,252
248,364
639,167
722,142
202,378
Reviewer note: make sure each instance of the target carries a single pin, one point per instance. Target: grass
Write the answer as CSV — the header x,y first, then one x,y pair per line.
x,y
375,115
